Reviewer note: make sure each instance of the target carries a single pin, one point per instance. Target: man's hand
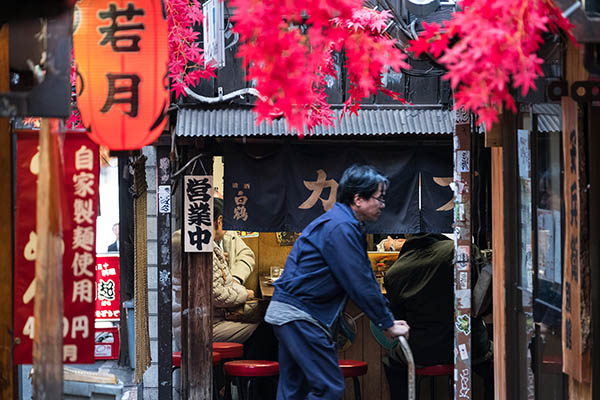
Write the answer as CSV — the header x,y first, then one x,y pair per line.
x,y
400,328
250,294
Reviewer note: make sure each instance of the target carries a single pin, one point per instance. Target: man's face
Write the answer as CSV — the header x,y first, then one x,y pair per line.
x,y
218,231
370,209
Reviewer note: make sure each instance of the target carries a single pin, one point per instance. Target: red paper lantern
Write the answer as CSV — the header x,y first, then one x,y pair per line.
x,y
121,54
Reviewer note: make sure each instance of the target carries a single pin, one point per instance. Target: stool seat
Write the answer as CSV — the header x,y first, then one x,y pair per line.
x,y
251,368
228,350
176,358
436,370
352,368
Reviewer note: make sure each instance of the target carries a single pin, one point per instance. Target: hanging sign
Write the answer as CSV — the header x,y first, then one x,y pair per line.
x,y
286,189
107,288
80,185
576,303
120,49
198,213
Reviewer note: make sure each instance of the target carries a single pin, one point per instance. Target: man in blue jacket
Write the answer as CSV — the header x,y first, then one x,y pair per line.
x,y
327,265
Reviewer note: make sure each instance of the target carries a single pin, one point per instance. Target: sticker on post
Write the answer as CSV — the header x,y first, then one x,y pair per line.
x,y
463,298
464,354
463,324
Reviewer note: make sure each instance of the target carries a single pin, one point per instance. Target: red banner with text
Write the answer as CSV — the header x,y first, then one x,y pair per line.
x,y
80,186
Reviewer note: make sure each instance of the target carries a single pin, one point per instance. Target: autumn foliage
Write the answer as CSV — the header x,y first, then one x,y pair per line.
x,y
186,57
287,47
494,47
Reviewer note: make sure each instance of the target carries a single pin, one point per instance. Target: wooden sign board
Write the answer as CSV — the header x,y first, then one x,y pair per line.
x,y
576,311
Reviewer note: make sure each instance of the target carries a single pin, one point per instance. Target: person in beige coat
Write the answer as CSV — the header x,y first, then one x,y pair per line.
x,y
238,255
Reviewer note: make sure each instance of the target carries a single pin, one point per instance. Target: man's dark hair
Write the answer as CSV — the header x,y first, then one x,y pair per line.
x,y
217,208
362,180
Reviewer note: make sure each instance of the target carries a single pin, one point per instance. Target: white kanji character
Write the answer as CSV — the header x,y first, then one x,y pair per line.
x,y
83,184
98,315
83,211
70,353
80,324
83,237
81,263
82,291
84,158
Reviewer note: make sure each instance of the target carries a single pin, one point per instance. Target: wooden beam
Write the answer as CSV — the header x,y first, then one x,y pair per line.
x,y
463,254
6,303
199,325
576,277
493,135
125,253
197,361
164,278
498,291
48,306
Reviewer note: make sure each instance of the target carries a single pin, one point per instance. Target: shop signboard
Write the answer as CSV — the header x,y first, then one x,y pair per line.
x,y
79,211
107,288
198,213
576,304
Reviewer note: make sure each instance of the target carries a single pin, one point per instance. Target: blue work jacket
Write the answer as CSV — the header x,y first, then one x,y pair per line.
x,y
328,264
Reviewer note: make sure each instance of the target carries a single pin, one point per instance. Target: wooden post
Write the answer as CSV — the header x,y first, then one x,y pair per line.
x,y
164,278
199,325
125,252
576,286
48,306
197,312
462,258
6,303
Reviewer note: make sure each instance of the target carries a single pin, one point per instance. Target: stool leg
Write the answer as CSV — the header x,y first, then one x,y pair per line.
x,y
251,389
242,395
356,388
227,388
216,395
432,386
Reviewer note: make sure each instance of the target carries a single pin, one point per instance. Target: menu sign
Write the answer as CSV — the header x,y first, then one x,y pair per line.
x,y
107,288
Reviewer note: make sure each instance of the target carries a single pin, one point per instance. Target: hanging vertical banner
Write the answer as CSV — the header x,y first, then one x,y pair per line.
x,y
80,184
198,213
576,304
462,256
120,49
107,288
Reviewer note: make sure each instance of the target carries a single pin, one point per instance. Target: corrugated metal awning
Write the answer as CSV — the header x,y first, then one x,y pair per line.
x,y
548,117
238,122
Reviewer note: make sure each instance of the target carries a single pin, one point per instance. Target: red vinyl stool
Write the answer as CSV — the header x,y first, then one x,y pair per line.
x,y
176,359
353,369
229,350
249,369
431,372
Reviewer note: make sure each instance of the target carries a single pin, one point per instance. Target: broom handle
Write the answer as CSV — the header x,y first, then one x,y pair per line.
x,y
411,367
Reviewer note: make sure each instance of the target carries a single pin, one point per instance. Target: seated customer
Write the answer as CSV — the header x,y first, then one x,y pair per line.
x,y
420,287
228,293
239,257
